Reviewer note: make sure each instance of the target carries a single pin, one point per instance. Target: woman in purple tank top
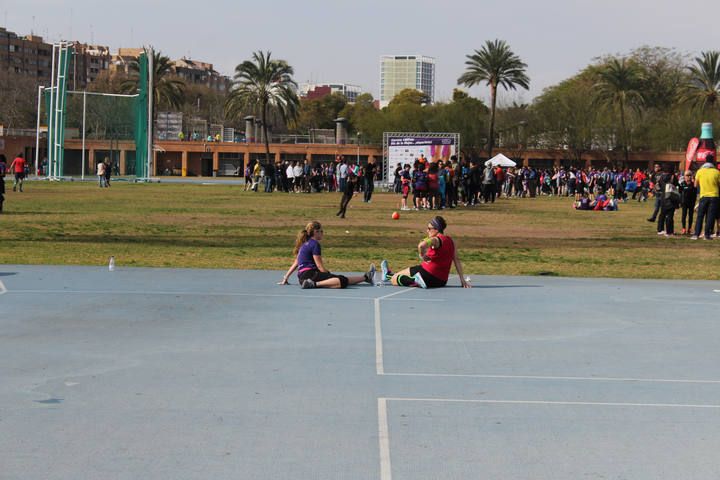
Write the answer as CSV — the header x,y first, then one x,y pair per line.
x,y
310,266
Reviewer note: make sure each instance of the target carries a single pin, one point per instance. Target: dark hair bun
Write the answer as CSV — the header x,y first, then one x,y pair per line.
x,y
439,223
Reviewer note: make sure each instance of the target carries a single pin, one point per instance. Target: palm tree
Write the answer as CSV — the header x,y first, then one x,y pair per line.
x,y
619,86
167,90
263,85
496,65
703,89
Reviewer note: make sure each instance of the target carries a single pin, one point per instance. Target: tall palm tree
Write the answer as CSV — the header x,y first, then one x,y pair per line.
x,y
703,89
167,90
619,87
496,65
266,86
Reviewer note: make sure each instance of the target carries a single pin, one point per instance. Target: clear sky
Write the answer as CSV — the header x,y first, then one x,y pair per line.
x,y
342,41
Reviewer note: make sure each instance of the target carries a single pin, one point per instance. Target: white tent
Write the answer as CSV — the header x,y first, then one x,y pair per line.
x,y
501,160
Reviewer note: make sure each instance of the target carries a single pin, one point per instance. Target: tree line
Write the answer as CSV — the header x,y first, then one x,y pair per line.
x,y
651,98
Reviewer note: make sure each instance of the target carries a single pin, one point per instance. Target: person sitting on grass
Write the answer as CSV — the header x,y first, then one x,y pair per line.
x,y
437,252
310,266
583,203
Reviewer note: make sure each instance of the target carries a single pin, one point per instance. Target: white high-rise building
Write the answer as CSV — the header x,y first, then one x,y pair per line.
x,y
398,72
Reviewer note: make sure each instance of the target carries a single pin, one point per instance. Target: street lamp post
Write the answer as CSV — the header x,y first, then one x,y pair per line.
x,y
358,148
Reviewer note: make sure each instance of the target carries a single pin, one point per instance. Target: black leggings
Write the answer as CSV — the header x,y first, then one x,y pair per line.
x,y
688,211
344,203
318,276
430,280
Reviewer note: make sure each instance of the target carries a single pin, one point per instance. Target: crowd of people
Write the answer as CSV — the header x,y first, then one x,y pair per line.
x,y
306,177
442,184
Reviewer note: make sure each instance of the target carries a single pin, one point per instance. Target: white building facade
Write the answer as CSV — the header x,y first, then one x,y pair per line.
x,y
398,72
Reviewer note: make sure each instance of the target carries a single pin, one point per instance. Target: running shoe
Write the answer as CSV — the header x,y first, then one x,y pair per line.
x,y
307,283
419,280
370,274
385,269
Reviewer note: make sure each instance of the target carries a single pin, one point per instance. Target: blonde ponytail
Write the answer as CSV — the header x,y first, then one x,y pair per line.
x,y
305,235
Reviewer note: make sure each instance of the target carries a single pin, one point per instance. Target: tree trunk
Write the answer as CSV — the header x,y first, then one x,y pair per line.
x,y
491,134
624,132
265,134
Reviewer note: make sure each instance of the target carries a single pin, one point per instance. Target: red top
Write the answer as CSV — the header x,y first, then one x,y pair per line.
x,y
19,165
440,258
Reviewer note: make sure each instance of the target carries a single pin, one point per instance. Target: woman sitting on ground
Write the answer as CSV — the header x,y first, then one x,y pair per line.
x,y
310,266
437,252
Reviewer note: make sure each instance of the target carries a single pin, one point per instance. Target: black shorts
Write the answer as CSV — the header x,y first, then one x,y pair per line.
x,y
430,281
318,276
19,176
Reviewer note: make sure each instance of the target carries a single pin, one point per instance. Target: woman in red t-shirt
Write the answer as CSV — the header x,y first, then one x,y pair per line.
x,y
437,252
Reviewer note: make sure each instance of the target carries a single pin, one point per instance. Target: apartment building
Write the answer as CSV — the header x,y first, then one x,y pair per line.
x,y
398,72
27,55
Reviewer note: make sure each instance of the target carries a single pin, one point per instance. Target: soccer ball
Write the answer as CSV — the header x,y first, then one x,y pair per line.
x,y
395,216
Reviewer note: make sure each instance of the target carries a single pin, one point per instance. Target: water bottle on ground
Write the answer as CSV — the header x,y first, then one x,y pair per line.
x,y
111,264
378,280
467,279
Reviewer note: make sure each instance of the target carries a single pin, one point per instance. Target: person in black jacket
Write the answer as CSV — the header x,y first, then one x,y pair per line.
x,y
656,177
474,182
669,201
350,184
688,197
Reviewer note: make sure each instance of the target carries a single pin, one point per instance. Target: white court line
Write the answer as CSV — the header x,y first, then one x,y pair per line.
x,y
544,402
379,365
2,288
384,440
216,294
716,291
549,377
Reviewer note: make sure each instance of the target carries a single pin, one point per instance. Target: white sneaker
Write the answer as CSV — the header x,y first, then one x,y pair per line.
x,y
384,269
661,233
419,280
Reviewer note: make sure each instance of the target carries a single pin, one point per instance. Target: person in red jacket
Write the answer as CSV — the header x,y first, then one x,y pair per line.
x,y
18,168
638,178
438,253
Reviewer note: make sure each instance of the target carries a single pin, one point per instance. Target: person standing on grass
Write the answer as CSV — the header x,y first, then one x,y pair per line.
x,y
248,177
257,168
269,177
657,190
397,185
405,179
290,175
369,180
108,171
18,168
670,201
438,253
311,267
707,180
433,186
101,174
688,197
350,184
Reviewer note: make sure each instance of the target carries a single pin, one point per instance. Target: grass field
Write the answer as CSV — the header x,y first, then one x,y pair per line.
x,y
220,226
